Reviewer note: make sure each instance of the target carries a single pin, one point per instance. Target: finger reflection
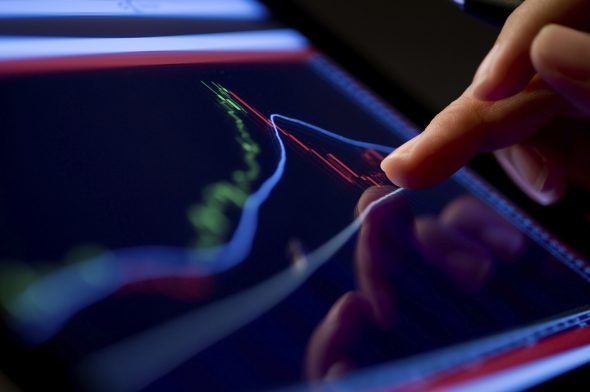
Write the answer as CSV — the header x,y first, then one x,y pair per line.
x,y
398,251
384,240
335,337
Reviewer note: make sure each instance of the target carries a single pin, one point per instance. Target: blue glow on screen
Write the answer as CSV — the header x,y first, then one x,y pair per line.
x,y
13,48
529,375
205,9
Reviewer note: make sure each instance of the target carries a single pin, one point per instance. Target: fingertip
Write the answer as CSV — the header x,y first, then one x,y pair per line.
x,y
451,139
402,171
440,150
415,172
393,167
398,165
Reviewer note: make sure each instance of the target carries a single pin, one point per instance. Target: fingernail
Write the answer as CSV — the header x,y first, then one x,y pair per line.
x,y
479,88
529,169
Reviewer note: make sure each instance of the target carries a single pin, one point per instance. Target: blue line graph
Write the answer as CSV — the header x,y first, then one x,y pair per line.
x,y
206,326
148,369
352,142
43,308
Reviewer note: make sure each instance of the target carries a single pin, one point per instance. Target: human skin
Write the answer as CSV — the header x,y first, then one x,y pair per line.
x,y
529,101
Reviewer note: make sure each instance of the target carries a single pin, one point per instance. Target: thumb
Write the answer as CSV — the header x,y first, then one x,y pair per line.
x,y
561,56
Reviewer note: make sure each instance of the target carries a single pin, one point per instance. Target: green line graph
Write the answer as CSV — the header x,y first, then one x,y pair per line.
x,y
209,216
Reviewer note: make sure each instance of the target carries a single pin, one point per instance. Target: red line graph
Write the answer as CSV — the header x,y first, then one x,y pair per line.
x,y
191,288
328,160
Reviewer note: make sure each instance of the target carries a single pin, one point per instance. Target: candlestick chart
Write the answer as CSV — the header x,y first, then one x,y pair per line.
x,y
224,218
230,233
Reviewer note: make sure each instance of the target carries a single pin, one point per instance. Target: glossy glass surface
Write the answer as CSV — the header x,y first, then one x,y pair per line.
x,y
227,226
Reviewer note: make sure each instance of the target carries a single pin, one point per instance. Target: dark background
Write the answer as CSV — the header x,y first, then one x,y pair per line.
x,y
429,47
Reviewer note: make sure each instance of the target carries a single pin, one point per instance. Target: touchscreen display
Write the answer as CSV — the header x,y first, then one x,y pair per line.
x,y
218,220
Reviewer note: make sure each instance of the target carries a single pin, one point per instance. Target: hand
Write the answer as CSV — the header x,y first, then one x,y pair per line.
x,y
530,98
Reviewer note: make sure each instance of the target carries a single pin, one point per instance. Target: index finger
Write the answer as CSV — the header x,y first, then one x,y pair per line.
x,y
469,126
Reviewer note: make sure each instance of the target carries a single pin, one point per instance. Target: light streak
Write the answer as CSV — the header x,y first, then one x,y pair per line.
x,y
206,326
526,376
376,177
201,9
413,371
45,306
18,48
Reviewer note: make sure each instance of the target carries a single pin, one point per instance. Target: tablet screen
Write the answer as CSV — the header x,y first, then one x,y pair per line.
x,y
215,218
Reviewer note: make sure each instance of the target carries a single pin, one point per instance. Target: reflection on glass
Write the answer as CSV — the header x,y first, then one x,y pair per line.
x,y
180,223
429,277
